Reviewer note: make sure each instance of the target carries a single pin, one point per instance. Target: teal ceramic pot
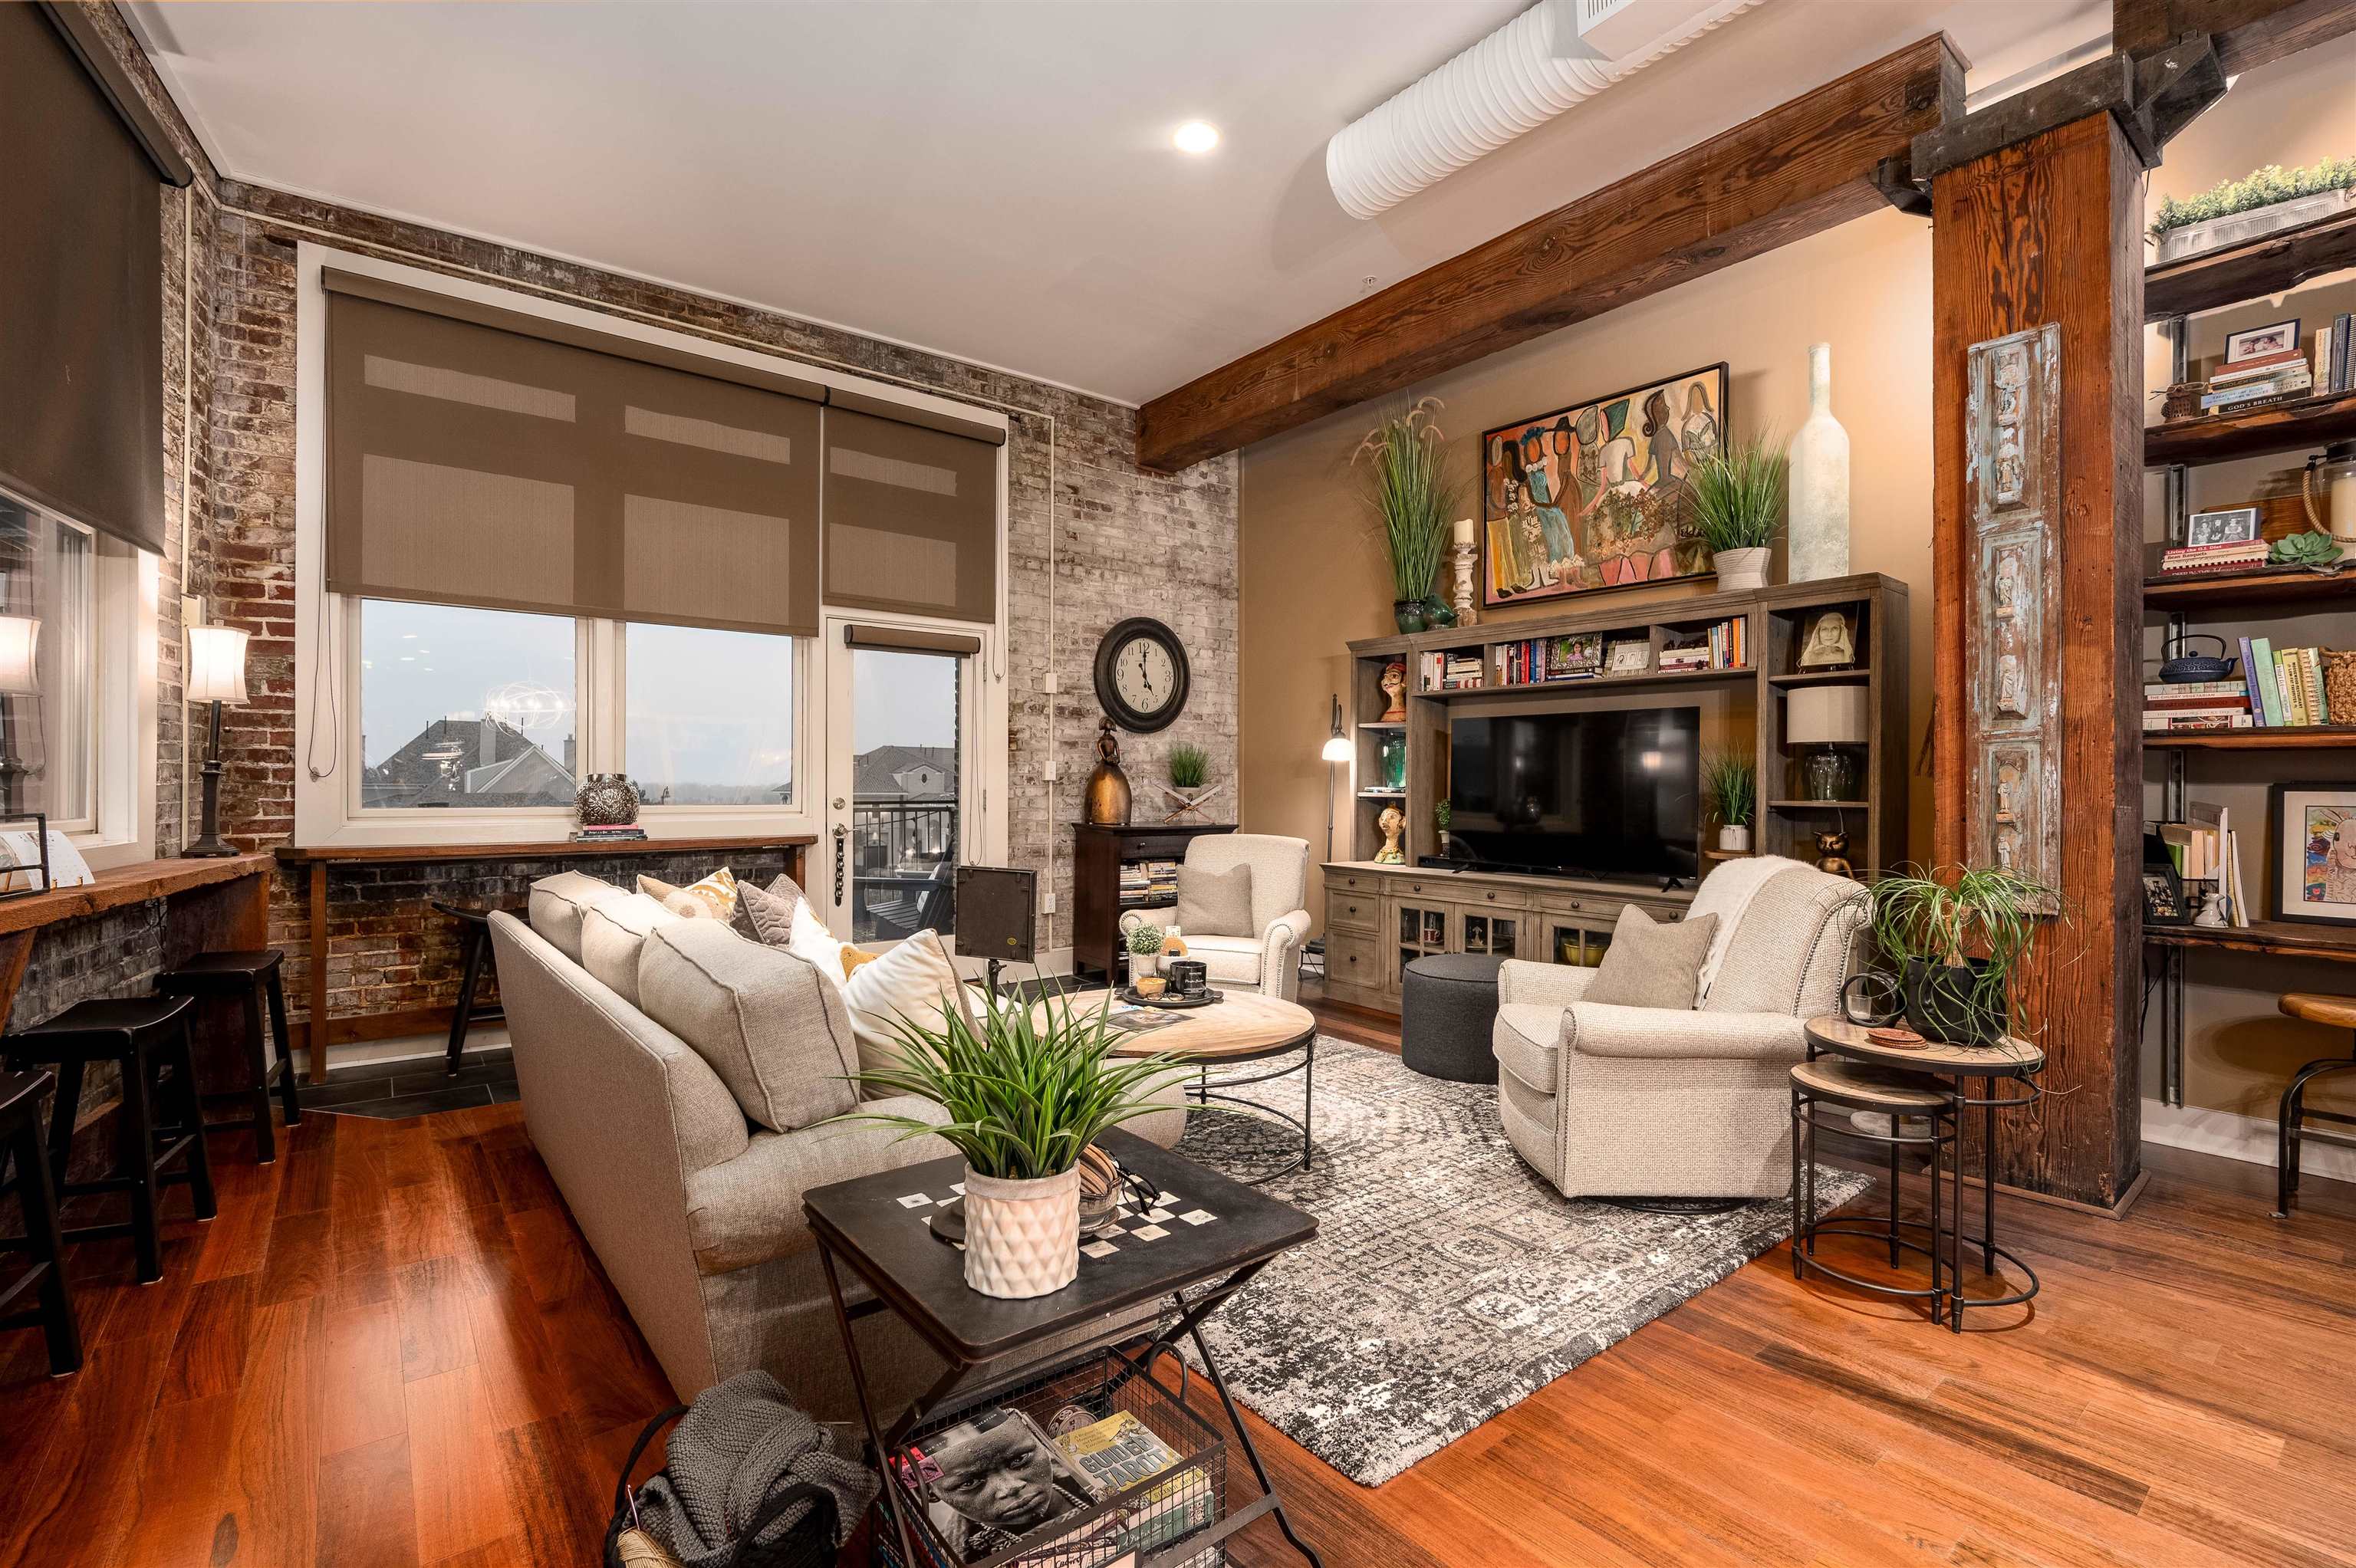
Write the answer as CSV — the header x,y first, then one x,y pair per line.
x,y
1410,612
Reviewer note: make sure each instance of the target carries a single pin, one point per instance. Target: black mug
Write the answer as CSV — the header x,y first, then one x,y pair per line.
x,y
1188,976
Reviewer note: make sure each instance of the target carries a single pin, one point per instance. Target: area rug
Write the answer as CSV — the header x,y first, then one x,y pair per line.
x,y
1448,1281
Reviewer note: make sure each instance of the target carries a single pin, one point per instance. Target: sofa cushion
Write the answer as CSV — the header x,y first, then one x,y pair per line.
x,y
611,934
1214,903
912,980
557,904
713,897
811,942
1791,950
771,909
765,1021
1238,959
1526,1040
1652,965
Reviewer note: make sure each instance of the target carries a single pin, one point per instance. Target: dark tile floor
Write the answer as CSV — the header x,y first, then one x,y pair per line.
x,y
392,1089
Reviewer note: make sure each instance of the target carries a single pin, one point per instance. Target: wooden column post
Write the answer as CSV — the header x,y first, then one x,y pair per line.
x,y
2047,230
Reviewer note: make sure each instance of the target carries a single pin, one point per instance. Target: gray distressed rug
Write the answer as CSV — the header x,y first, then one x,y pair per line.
x,y
1448,1281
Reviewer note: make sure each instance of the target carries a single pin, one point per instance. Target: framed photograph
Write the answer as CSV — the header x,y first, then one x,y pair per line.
x,y
1597,495
2311,831
2259,341
1830,642
2163,890
2228,525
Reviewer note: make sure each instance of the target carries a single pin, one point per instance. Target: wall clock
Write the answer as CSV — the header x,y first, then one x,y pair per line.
x,y
1141,674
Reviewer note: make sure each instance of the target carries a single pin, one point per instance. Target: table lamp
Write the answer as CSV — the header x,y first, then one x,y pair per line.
x,y
1828,718
1337,750
216,674
20,637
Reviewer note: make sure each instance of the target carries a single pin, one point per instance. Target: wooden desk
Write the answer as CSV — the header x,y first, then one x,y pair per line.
x,y
319,859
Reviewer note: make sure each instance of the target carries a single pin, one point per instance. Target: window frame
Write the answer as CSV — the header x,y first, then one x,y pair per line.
x,y
617,720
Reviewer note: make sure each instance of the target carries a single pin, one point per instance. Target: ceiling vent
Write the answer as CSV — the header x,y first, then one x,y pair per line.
x,y
1557,54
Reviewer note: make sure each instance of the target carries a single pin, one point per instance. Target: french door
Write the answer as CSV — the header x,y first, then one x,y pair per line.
x,y
905,800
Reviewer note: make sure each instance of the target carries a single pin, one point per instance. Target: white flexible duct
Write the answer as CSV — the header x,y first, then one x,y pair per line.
x,y
1506,86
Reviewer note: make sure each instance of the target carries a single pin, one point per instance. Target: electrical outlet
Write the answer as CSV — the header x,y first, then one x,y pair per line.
x,y
1046,903
1054,684
1054,770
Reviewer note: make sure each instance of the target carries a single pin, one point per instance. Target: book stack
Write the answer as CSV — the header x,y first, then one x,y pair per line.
x,y
2228,556
2285,686
1543,659
1148,882
2264,379
2196,705
621,833
2206,848
1718,647
2335,355
1120,1452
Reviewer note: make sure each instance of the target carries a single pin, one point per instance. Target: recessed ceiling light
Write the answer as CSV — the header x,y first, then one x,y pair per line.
x,y
1195,136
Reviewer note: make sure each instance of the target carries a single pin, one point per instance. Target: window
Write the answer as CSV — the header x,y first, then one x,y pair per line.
x,y
709,716
465,709
48,708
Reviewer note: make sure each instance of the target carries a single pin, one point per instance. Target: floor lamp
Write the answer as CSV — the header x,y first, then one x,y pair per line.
x,y
216,674
20,637
1337,750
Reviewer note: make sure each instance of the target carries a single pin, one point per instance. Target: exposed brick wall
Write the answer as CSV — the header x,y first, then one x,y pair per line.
x,y
118,954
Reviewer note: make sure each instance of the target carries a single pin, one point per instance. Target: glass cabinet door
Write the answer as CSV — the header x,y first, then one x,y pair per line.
x,y
1422,929
1567,942
1498,935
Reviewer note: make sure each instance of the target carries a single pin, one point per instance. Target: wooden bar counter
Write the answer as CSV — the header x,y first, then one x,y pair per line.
x,y
210,905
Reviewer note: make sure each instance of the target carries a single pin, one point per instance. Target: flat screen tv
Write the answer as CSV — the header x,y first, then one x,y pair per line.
x,y
1612,795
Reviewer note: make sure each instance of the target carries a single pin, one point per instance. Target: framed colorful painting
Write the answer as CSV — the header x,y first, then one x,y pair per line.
x,y
2312,831
1596,495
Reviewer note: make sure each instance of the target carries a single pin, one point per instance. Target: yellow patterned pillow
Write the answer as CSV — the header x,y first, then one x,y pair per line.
x,y
853,959
714,898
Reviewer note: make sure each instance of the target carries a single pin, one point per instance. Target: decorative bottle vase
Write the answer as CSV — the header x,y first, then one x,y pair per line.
x,y
1819,481
1022,1238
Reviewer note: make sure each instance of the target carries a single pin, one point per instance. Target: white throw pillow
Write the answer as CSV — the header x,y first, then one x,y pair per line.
x,y
557,904
777,1038
612,933
814,944
914,980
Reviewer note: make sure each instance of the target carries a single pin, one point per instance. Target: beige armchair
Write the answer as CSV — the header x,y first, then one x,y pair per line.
x,y
1268,960
1615,1102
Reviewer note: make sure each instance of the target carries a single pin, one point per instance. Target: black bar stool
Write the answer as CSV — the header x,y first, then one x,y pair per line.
x,y
2340,1012
20,1144
475,939
1905,1098
251,980
147,1036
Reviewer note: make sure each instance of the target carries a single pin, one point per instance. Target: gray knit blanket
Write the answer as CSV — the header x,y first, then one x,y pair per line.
x,y
739,1442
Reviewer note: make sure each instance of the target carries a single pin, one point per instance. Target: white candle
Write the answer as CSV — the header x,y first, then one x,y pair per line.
x,y
1463,530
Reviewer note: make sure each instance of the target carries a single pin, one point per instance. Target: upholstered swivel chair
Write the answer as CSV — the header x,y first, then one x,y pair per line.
x,y
1621,1102
1267,958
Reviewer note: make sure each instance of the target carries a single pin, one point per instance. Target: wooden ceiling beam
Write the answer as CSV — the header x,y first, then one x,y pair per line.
x,y
2247,33
1794,171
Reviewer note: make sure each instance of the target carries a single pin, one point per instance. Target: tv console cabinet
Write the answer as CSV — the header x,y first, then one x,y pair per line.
x,y
1380,917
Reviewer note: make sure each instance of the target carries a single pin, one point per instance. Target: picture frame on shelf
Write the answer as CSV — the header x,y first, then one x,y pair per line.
x,y
2256,342
1631,658
2311,834
2164,901
2224,525
1830,642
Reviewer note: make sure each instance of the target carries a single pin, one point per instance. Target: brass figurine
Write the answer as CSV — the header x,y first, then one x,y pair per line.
x,y
1107,803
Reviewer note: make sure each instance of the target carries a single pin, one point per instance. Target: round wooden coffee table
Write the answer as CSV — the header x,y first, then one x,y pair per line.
x,y
1247,1027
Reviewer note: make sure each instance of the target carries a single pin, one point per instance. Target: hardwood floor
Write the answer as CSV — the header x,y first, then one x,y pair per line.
x,y
393,1350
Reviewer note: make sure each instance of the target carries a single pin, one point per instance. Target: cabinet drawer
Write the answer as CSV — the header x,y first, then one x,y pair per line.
x,y
1352,881
1476,897
1156,846
1352,959
1355,911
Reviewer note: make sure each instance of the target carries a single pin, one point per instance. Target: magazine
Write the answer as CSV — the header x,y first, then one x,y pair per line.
x,y
1122,1451
995,1481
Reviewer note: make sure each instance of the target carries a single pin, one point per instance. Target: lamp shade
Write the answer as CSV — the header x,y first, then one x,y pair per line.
x,y
1826,716
1337,744
20,637
216,665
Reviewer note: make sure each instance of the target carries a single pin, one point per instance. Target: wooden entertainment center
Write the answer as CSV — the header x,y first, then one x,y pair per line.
x,y
1381,917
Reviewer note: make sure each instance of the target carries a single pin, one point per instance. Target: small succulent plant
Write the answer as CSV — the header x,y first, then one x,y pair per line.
x,y
2307,549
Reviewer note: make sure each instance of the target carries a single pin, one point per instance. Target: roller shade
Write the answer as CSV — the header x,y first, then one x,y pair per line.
x,y
81,356
911,518
491,458
906,640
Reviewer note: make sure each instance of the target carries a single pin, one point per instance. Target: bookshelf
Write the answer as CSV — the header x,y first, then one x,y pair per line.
x,y
2295,426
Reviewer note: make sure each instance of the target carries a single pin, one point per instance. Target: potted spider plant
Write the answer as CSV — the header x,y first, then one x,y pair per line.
x,y
1409,487
1027,1087
1738,498
1957,936
1729,783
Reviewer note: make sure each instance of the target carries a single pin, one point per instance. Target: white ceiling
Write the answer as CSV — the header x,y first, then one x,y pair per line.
x,y
992,179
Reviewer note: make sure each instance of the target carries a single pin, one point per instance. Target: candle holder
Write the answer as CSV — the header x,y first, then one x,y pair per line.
x,y
1466,555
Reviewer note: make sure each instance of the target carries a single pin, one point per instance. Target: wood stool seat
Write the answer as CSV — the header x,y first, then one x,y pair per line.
x,y
1868,1088
2292,1117
474,937
21,1149
148,1038
253,980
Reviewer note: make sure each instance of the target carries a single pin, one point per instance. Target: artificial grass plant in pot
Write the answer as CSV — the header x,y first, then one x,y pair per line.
x,y
1730,784
1409,487
1738,498
1027,1088
1957,936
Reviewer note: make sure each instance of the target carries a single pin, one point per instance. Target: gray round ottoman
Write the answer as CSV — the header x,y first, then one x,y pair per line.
x,y
1448,1003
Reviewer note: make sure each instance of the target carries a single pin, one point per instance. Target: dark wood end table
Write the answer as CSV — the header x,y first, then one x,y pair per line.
x,y
875,1226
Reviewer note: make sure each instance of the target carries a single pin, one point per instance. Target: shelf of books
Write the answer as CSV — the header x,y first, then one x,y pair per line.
x,y
2280,697
1720,646
2259,431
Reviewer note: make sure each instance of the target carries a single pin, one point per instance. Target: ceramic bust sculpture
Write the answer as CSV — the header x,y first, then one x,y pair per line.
x,y
1392,822
1818,531
1394,692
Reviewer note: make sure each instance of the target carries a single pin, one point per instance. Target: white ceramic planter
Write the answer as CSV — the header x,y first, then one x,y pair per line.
x,y
1142,964
1734,840
2239,227
1022,1238
1741,569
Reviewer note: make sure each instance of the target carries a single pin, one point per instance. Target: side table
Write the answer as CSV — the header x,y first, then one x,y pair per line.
x,y
1944,1069
1219,1233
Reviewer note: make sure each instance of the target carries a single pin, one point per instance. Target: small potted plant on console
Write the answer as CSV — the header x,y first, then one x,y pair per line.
x,y
1730,784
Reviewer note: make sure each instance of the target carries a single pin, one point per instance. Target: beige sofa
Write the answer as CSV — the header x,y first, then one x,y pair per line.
x,y
1621,1102
695,1211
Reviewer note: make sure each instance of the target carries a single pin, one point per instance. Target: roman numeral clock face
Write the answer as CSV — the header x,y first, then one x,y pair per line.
x,y
1141,674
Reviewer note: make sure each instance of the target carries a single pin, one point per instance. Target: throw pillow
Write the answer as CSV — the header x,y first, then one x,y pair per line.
x,y
768,1024
713,897
557,904
772,910
611,936
810,940
912,980
1214,903
852,957
1650,965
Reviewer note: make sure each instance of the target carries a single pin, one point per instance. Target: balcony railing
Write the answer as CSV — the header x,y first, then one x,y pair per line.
x,y
903,857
